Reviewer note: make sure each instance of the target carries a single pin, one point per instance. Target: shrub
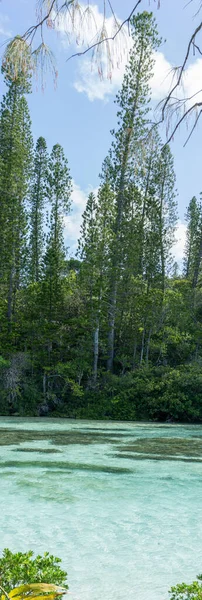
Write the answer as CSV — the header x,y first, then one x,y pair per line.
x,y
184,591
20,568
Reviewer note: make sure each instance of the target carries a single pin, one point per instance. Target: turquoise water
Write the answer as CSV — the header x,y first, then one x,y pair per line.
x,y
120,503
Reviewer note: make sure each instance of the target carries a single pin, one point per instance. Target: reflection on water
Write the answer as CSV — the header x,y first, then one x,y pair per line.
x,y
120,503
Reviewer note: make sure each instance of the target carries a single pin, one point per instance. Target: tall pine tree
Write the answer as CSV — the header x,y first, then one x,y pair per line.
x,y
37,201
16,167
58,193
193,250
133,103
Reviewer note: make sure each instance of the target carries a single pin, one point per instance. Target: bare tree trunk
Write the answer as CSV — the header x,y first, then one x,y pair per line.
x,y
188,261
44,385
143,217
96,351
148,346
161,234
134,354
112,314
10,296
10,289
142,346
79,376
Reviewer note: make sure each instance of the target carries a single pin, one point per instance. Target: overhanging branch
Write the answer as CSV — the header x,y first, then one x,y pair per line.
x,y
111,38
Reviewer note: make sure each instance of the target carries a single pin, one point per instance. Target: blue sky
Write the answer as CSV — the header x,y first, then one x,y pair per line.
x,y
80,112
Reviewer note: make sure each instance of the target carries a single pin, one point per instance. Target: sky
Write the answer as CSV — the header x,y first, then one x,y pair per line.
x,y
79,111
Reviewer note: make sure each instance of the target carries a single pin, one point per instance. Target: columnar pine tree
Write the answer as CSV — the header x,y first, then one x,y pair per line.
x,y
58,193
133,103
37,200
147,235
89,273
166,208
94,246
16,167
158,237
193,250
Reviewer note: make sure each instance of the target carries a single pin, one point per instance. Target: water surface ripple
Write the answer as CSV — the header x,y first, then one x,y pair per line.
x,y
120,503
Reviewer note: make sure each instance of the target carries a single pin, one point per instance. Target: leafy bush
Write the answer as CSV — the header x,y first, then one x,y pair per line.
x,y
21,568
155,393
184,591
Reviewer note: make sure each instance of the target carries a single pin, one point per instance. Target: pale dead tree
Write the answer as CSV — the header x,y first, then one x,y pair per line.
x,y
90,30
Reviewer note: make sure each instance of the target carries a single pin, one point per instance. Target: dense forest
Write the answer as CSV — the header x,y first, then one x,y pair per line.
x,y
115,332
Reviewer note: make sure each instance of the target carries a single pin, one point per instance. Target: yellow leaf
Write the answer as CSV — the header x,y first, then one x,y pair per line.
x,y
18,590
49,597
34,597
31,589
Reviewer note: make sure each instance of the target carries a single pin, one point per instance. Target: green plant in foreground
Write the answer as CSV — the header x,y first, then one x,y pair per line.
x,y
184,591
20,568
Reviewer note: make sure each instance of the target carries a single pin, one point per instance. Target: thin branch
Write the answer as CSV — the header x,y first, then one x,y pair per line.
x,y
197,47
180,101
112,38
112,10
5,593
182,119
197,12
196,121
34,28
181,70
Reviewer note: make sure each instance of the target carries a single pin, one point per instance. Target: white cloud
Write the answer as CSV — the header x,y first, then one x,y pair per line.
x,y
86,31
111,63
179,245
102,75
192,80
89,82
162,77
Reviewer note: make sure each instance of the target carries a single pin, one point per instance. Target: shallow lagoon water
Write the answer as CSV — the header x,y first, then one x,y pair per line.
x,y
120,503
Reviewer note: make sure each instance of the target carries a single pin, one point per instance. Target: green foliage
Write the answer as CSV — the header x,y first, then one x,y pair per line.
x,y
158,394
58,194
20,568
3,363
15,172
184,591
116,333
37,201
193,250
